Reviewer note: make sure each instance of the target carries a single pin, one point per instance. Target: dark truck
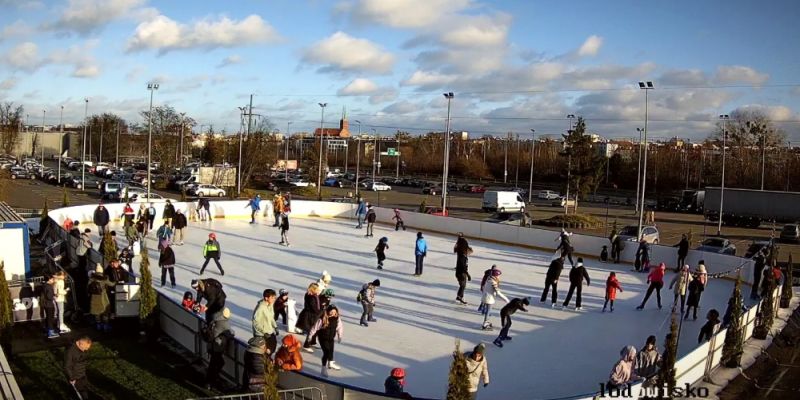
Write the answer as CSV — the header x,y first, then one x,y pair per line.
x,y
748,207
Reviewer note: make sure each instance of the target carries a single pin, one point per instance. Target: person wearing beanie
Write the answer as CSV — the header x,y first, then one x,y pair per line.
x,y
281,305
656,281
463,251
288,357
395,382
380,250
264,324
680,283
101,219
701,272
211,290
371,217
565,246
367,299
179,224
399,220
255,358
551,280
324,280
612,285
695,290
212,251
648,359
506,312
623,371
478,368
710,327
490,291
220,337
328,328
576,276
420,251
99,304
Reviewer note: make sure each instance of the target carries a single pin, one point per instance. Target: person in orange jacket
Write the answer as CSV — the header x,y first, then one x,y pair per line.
x,y
288,357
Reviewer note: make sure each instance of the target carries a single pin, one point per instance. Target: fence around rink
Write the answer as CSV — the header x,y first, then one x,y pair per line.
x,y
185,327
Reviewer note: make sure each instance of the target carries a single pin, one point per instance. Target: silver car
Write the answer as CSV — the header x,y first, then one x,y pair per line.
x,y
649,234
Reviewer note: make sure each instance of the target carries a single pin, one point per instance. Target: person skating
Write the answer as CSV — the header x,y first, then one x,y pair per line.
x,y
486,275
255,206
288,357
128,214
164,235
612,285
76,360
367,299
281,305
166,260
211,290
516,304
212,251
695,289
169,211
264,324
101,219
701,272
420,251
380,250
679,284
642,262
395,383
99,305
462,251
49,305
565,246
710,327
82,251
310,312
490,291
361,212
220,337
142,216
604,254
277,208
398,220
126,259
617,245
371,217
151,216
648,359
683,251
328,328
478,368
576,277
255,359
324,280
623,371
284,227
179,224
656,281
551,280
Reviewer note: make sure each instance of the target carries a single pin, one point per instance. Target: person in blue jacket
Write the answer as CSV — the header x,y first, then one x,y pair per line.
x,y
420,251
361,211
255,207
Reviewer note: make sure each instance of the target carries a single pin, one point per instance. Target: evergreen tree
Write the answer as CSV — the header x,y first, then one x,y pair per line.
x,y
44,213
109,247
666,375
786,291
6,310
732,349
65,199
458,381
270,380
147,295
767,312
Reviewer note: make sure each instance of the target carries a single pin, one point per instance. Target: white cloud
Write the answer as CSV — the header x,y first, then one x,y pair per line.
x,y
401,107
406,13
773,112
87,16
426,79
686,77
732,74
358,86
24,56
16,29
86,71
8,84
79,57
383,95
230,60
341,52
591,46
478,31
164,34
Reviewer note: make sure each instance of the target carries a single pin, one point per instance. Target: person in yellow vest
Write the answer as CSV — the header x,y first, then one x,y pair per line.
x,y
211,251
277,208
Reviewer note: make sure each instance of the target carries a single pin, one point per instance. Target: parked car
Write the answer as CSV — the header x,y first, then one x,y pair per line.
x,y
548,195
144,198
755,247
650,234
433,210
207,191
22,173
718,245
432,190
790,233
333,182
111,190
476,189
301,182
379,187
91,182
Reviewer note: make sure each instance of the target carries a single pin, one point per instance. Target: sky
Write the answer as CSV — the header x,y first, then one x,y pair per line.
x,y
513,66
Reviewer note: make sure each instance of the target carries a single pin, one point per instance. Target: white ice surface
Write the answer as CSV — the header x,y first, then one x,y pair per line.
x,y
554,352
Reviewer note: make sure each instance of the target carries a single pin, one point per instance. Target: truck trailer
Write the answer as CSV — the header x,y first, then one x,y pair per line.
x,y
748,207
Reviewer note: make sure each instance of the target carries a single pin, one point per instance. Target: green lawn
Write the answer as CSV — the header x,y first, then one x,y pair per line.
x,y
118,369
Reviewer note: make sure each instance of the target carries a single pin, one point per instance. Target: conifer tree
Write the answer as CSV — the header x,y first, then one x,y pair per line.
x,y
270,380
786,291
666,375
732,348
147,295
458,381
43,217
109,247
6,310
766,313
65,198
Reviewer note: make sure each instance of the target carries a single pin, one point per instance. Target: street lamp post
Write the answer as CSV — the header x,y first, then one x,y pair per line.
x,y
102,133
116,128
516,168
449,96
286,154
397,160
533,148
60,142
724,118
321,134
152,87
374,153
183,133
249,121
41,144
83,154
647,87
570,117
358,155
505,157
638,171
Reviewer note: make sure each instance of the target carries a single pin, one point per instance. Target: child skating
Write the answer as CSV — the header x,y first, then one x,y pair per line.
x,y
506,312
284,227
380,250
612,285
398,220
490,291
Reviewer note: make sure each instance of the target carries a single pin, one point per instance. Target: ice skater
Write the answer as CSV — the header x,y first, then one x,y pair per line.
x,y
551,280
683,251
463,251
167,263
565,246
212,251
367,299
490,291
612,285
277,208
656,281
361,212
506,312
486,275
284,227
380,250
679,284
164,235
371,217
328,328
576,276
710,327
420,251
642,263
398,220
695,289
255,207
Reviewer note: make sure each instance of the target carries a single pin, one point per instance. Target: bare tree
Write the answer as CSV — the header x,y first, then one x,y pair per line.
x,y
10,121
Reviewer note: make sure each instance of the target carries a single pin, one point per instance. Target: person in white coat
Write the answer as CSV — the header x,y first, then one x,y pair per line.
x,y
491,290
478,368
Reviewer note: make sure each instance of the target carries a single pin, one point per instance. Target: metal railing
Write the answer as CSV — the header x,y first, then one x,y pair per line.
x,y
308,393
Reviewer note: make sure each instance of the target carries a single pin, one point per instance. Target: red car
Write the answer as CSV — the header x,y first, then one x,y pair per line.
x,y
432,210
477,189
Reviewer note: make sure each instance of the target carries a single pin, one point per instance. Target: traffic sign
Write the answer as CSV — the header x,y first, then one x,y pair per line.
x,y
391,153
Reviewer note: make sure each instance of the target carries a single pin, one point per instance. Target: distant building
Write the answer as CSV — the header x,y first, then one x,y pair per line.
x,y
342,132
607,149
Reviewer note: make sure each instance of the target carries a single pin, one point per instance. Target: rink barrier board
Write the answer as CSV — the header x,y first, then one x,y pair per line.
x,y
180,324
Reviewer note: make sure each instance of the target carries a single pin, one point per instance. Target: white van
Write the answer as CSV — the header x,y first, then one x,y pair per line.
x,y
502,202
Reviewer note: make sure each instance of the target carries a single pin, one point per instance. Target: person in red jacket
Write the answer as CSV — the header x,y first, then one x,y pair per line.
x,y
612,285
656,281
288,357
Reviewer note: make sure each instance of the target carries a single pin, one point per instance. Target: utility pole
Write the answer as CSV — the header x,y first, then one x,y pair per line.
x,y
516,157
183,133
286,161
249,121
116,128
533,149
102,133
41,170
83,156
505,164
321,136
358,156
60,143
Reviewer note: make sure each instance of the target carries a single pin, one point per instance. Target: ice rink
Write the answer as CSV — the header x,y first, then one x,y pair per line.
x,y
554,352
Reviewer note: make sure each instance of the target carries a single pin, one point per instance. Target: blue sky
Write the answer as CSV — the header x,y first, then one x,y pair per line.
x,y
513,65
